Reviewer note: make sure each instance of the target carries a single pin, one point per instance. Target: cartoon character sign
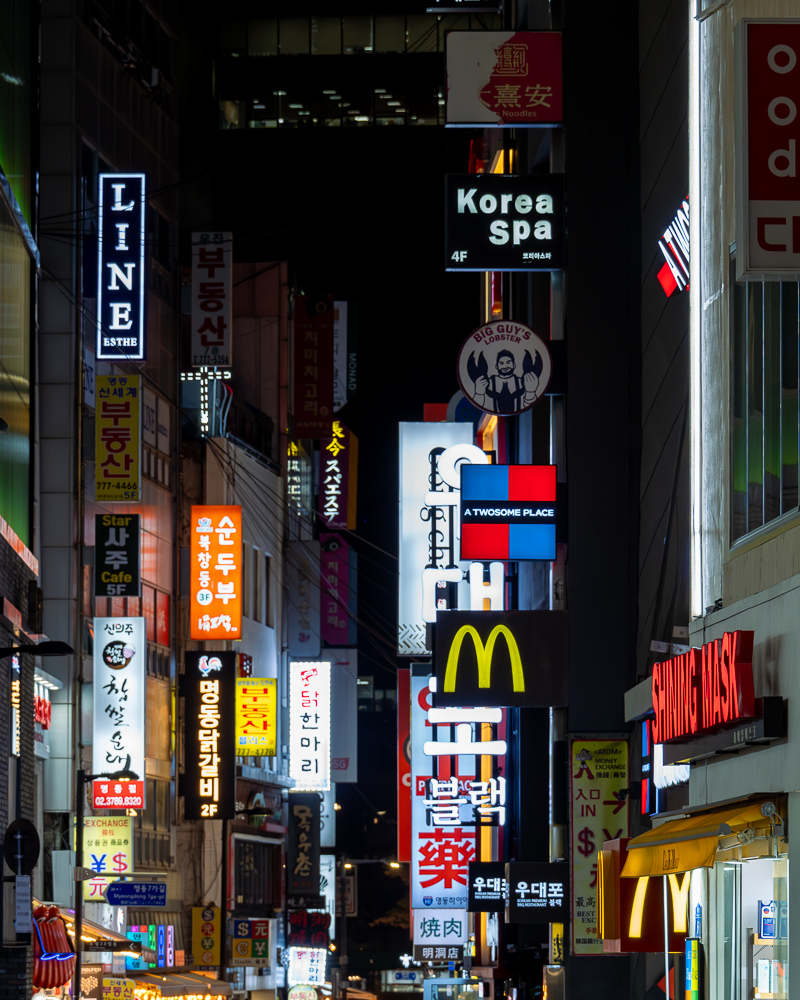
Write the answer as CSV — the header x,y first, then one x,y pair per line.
x,y
504,367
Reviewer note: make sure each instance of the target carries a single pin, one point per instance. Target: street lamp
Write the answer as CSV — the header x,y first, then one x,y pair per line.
x,y
83,779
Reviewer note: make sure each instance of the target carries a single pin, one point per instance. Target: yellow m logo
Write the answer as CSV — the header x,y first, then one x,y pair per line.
x,y
484,657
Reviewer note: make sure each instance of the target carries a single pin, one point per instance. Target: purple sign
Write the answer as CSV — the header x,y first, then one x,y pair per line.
x,y
338,466
338,586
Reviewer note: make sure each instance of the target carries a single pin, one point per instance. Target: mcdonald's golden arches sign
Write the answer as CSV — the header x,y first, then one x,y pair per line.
x,y
501,658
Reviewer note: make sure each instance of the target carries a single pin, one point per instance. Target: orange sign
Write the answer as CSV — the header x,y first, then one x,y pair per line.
x,y
216,605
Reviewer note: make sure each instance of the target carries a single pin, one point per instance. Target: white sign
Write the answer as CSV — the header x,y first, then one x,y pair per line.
x,y
327,888
120,267
504,367
212,336
119,695
307,966
431,455
302,591
310,726
448,927
23,917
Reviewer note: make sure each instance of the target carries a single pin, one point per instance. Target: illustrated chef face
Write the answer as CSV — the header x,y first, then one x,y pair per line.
x,y
505,363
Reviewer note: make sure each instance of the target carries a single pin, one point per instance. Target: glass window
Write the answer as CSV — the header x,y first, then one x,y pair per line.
x,y
422,33
390,33
326,36
294,36
232,38
764,403
357,33
262,37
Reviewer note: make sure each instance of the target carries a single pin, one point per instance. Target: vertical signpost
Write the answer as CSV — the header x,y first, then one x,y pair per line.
x,y
120,267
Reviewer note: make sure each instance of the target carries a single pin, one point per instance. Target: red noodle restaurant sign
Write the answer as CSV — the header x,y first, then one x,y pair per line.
x,y
704,689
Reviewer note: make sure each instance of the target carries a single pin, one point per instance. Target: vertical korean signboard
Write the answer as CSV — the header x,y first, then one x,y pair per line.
x,y
208,686
599,770
116,555
303,595
338,475
212,264
256,716
120,267
310,725
119,695
216,573
313,366
338,579
766,144
303,858
118,439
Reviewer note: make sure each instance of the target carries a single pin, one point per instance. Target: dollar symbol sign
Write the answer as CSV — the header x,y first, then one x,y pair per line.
x,y
586,845
121,862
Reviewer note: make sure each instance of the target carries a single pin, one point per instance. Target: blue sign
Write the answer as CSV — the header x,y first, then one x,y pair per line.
x,y
144,894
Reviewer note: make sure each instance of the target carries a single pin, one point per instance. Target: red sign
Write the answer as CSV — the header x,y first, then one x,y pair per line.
x,y
42,711
216,573
704,688
767,146
313,366
404,765
149,611
162,618
107,794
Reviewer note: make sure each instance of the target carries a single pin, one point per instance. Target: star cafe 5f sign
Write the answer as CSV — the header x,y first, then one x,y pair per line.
x,y
504,367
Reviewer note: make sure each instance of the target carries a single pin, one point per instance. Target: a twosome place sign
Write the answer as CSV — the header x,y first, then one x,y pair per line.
x,y
120,267
502,222
704,689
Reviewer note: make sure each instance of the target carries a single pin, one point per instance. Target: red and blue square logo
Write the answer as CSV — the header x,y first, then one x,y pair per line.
x,y
508,512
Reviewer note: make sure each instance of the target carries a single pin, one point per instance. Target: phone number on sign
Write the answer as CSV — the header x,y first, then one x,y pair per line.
x,y
118,801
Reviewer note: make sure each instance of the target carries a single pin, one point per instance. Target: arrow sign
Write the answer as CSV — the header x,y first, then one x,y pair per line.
x,y
137,894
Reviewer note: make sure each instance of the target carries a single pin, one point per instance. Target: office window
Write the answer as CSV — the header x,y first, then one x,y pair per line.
x,y
256,873
262,37
233,38
294,36
326,36
422,33
357,34
390,33
764,403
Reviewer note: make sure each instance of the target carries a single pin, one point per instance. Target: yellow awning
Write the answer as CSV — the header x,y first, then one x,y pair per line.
x,y
680,845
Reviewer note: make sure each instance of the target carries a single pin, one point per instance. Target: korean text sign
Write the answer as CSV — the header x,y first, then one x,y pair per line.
x,y
120,267
338,478
118,444
209,690
256,716
538,892
487,887
119,694
313,366
212,264
303,858
303,593
599,770
216,573
310,725
767,146
116,555
338,597
107,852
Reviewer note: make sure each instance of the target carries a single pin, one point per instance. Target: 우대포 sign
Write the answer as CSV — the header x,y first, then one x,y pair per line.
x,y
212,334
487,887
538,892
216,573
116,555
118,439
120,267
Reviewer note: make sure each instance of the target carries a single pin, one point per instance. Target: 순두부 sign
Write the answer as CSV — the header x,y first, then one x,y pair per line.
x,y
120,267
497,222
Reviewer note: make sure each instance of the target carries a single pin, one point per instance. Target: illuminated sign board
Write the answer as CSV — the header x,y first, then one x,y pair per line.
x,y
338,475
116,555
303,850
674,244
118,439
119,695
501,222
256,716
488,887
216,573
120,267
502,658
212,333
439,934
306,966
107,852
208,685
767,78
508,512
313,366
250,944
310,726
504,78
704,688
538,892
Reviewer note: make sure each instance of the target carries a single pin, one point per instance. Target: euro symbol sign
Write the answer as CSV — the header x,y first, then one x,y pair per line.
x,y
484,657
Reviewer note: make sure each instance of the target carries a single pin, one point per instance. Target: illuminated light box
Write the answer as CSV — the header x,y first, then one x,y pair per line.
x,y
508,512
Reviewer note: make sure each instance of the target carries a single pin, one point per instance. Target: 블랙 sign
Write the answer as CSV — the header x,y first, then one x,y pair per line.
x,y
206,934
499,222
212,264
119,695
508,512
501,658
504,367
599,772
303,851
310,725
438,931
120,267
208,686
256,716
766,143
506,78
538,892
116,555
487,887
216,573
118,439
313,366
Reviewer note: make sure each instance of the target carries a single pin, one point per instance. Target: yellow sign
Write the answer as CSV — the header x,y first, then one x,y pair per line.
x,y
118,446
118,989
206,935
256,716
484,657
107,851
599,813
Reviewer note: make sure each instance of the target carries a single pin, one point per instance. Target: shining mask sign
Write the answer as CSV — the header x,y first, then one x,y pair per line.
x,y
120,267
119,695
310,725
499,222
256,716
209,689
216,573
